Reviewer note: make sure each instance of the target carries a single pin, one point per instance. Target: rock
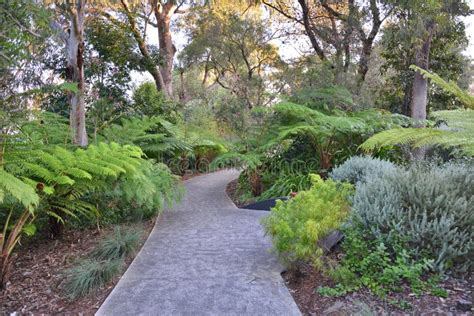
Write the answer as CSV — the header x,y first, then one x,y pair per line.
x,y
336,307
331,240
464,305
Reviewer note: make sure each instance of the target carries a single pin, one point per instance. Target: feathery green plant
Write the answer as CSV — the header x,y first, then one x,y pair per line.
x,y
456,128
297,225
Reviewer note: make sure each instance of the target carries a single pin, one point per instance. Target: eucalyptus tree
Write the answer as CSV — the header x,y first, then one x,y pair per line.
x,y
426,34
69,25
340,32
234,51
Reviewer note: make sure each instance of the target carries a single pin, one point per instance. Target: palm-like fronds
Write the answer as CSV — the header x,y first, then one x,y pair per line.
x,y
18,189
456,127
450,87
459,132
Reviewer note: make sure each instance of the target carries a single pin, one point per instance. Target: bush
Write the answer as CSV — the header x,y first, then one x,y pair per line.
x,y
139,195
373,264
297,225
358,168
429,206
121,244
89,275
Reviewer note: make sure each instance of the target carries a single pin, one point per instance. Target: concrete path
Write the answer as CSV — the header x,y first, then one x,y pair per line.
x,y
205,257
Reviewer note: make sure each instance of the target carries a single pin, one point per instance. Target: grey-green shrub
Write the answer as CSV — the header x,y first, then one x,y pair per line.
x,y
359,168
89,275
121,244
431,206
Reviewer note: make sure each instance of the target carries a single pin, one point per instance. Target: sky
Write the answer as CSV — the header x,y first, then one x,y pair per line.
x,y
288,50
469,21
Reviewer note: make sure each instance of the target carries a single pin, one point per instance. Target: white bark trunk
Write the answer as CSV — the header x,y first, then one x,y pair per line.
x,y
75,71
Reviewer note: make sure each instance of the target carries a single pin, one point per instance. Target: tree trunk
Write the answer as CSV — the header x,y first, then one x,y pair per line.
x,y
182,91
420,84
75,71
167,50
339,75
419,98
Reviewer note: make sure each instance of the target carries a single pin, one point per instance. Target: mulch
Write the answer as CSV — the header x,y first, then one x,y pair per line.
x,y
37,274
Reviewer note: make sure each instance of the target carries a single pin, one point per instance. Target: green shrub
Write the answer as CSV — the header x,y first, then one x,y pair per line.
x,y
298,224
140,195
89,275
373,264
121,244
358,168
429,206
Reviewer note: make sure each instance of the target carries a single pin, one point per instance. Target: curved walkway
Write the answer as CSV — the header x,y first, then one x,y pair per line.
x,y
205,257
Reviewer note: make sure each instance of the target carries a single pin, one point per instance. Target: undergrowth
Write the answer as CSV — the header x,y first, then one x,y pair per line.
x,y
103,264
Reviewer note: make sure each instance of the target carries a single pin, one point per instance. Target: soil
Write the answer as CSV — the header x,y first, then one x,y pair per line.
x,y
231,190
304,282
37,273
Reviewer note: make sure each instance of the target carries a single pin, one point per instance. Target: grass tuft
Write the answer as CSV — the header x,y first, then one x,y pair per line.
x,y
89,275
121,244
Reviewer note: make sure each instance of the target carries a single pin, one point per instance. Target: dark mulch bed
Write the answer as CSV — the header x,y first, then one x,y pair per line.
x,y
37,274
304,281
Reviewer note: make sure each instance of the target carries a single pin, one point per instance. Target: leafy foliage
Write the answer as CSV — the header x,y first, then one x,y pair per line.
x,y
328,134
150,102
297,225
430,207
286,184
370,263
360,168
456,126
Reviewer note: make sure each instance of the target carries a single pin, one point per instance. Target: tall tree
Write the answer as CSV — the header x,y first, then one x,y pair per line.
x,y
428,34
139,17
234,51
338,30
74,14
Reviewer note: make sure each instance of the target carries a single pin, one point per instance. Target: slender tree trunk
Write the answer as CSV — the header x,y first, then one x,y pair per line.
x,y
309,31
163,13
420,84
419,98
406,100
75,71
153,69
182,92
339,73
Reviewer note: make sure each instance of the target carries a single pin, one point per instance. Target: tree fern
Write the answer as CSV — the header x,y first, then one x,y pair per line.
x,y
450,87
11,186
455,127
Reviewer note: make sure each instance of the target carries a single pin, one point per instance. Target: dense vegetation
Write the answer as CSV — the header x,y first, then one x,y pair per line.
x,y
100,117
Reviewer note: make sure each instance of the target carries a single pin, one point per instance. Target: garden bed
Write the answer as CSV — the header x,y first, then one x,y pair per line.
x,y
303,285
37,274
231,190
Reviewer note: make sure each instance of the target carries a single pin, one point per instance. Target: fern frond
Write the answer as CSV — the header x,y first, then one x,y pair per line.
x,y
22,192
451,87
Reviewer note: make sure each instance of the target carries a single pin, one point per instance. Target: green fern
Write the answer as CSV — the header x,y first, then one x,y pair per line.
x,y
17,189
450,87
456,127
